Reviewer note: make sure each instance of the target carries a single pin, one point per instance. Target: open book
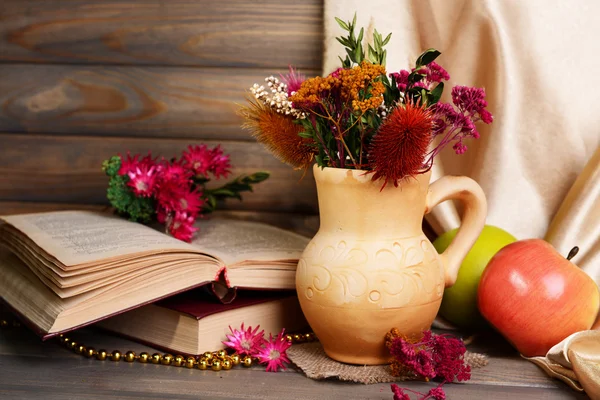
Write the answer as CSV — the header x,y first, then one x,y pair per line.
x,y
68,269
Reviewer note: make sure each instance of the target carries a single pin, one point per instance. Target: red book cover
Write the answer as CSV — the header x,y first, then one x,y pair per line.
x,y
200,303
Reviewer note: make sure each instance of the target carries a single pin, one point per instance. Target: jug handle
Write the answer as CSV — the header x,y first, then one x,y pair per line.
x,y
467,191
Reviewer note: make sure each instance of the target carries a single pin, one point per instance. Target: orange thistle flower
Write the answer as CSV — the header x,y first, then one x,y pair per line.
x,y
279,134
399,147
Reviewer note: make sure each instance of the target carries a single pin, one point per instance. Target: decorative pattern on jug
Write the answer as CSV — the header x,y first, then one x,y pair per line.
x,y
370,274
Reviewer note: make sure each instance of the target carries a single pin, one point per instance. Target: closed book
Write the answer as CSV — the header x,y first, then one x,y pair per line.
x,y
194,322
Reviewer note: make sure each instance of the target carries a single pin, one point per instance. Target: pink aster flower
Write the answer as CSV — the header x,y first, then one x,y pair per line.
x,y
181,226
198,159
293,80
128,164
274,352
245,341
169,194
142,180
201,160
220,163
173,171
141,173
189,202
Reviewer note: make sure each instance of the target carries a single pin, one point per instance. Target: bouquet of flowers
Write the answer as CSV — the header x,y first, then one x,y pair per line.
x,y
361,117
173,192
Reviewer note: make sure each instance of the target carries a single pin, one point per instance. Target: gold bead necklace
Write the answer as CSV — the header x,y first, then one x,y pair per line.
x,y
215,360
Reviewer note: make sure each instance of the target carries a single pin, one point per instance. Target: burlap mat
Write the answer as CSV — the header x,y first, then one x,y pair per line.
x,y
313,361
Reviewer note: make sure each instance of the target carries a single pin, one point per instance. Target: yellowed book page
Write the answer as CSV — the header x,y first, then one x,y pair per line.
x,y
238,241
79,237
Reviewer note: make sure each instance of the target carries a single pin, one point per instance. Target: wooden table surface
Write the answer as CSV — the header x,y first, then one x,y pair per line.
x,y
30,368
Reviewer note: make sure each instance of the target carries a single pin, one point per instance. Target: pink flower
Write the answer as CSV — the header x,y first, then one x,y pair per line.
x,y
401,79
174,171
201,160
128,164
459,148
181,226
142,180
437,393
486,116
141,173
274,352
469,99
436,73
169,193
198,159
245,341
293,80
336,73
189,202
220,163
399,393
439,356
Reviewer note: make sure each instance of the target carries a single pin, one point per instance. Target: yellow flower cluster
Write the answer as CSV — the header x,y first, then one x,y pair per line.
x,y
356,87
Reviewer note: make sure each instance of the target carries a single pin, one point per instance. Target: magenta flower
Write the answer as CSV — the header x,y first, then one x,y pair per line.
x,y
401,79
245,341
201,161
293,80
437,393
469,99
128,164
142,180
181,226
220,166
141,173
189,202
399,393
174,171
436,73
273,353
336,73
198,159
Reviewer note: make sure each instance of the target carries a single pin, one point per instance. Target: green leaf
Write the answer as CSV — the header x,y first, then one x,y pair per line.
x,y
343,41
358,54
360,35
305,135
319,160
387,39
427,57
260,176
377,38
436,93
342,24
354,19
351,54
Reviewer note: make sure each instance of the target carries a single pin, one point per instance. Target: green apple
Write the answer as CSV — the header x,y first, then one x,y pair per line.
x,y
459,305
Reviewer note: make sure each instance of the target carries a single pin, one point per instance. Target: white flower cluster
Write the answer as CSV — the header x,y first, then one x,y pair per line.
x,y
383,110
277,99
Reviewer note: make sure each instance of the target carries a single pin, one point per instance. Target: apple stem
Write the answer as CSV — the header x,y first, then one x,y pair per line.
x,y
573,252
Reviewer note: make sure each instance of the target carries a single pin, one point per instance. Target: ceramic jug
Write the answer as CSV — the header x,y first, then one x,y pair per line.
x,y
370,268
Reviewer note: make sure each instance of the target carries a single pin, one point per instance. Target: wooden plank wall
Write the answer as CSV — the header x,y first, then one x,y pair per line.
x,y
81,80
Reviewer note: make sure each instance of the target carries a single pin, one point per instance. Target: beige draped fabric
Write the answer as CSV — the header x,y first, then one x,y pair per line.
x,y
539,61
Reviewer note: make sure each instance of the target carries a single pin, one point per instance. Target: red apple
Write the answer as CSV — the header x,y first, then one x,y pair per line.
x,y
535,297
